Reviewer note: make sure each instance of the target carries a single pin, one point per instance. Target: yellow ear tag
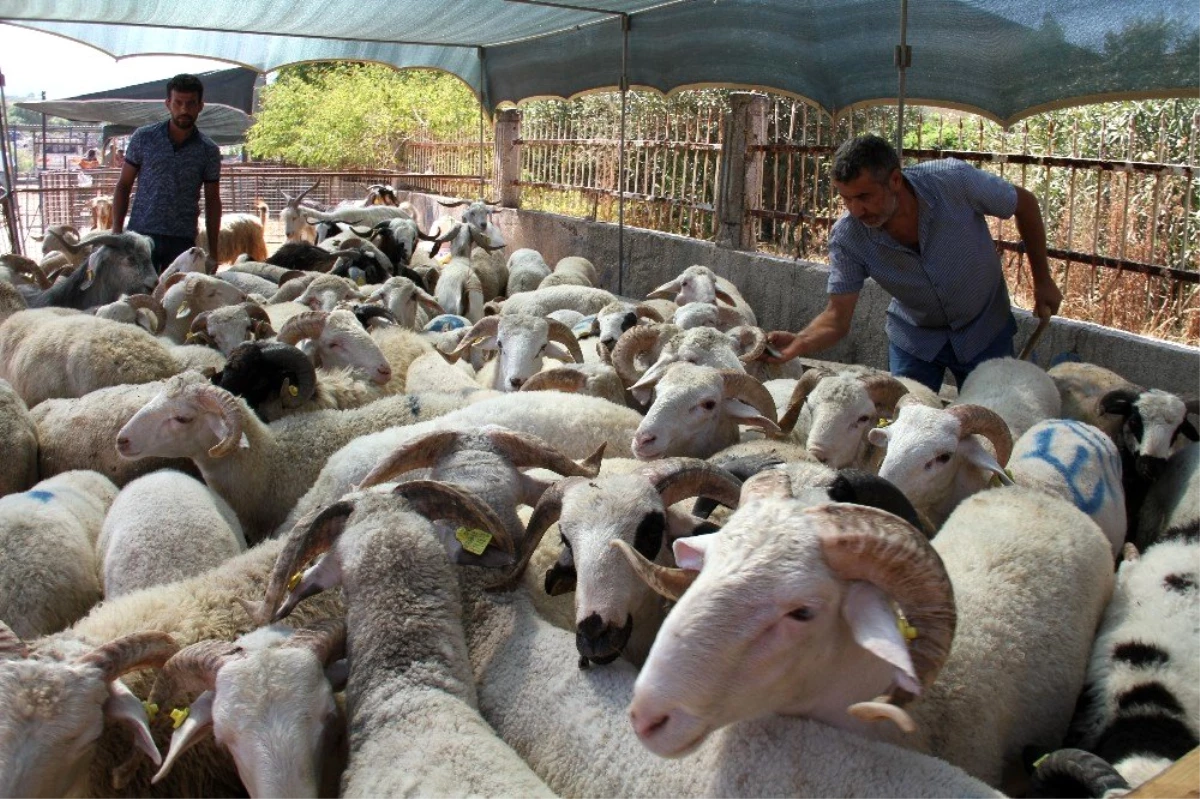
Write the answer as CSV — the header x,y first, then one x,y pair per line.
x,y
178,716
478,341
295,392
996,482
906,630
294,581
188,337
360,281
151,710
183,310
91,274
883,422
473,540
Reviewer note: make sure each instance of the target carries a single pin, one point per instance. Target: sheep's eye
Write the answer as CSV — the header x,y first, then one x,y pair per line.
x,y
863,419
708,405
499,345
181,419
943,458
801,614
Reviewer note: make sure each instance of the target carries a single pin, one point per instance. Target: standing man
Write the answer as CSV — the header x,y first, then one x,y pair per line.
x,y
921,234
171,160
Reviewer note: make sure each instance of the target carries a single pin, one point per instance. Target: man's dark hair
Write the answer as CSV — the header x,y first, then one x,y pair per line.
x,y
868,152
186,84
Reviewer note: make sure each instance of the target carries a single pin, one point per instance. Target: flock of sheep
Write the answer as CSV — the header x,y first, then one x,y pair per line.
x,y
365,519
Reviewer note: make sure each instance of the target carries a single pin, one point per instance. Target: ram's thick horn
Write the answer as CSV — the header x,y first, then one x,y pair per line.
x,y
665,581
141,650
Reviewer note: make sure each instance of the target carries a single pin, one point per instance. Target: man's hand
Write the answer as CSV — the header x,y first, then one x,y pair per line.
x,y
780,341
1047,298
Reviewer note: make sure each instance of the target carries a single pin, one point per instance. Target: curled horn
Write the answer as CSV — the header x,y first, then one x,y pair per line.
x,y
198,330
260,322
1075,767
325,638
309,324
193,669
28,267
142,650
161,289
524,450
563,335
454,204
429,302
313,535
747,389
11,645
482,241
664,580
291,274
437,500
861,543
221,402
545,513
103,240
974,419
644,311
756,338
148,302
562,378
632,343
804,386
485,327
286,356
885,391
666,291
419,453
767,484
677,479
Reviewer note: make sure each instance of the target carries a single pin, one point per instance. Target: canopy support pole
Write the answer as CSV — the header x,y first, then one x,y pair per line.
x,y
903,60
482,181
7,194
621,156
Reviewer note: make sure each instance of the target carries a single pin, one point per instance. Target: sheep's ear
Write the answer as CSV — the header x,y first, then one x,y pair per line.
x,y
489,343
747,414
977,455
878,436
195,728
873,623
558,352
690,552
725,297
124,707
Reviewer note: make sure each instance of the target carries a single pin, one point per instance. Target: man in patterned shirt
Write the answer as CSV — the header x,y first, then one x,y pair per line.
x,y
170,160
920,233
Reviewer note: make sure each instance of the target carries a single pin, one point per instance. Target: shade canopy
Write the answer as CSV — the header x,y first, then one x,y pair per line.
x,y
1004,59
228,101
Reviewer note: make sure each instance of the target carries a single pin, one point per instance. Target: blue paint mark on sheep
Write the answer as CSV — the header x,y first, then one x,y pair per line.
x,y
1084,455
40,496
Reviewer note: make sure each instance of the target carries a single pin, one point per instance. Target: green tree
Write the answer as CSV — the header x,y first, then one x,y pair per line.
x,y
347,115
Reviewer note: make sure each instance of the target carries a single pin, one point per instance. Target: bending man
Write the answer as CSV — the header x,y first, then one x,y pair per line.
x,y
921,234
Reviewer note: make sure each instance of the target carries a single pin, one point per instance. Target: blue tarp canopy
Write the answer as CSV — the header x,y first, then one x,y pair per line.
x,y
1004,59
228,103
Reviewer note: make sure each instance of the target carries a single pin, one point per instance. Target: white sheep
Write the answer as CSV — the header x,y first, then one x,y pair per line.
x,y
583,299
459,290
1019,391
938,457
1026,575
522,342
74,675
1140,709
526,269
137,309
697,411
1077,462
592,379
611,321
163,527
295,226
337,341
18,440
259,469
410,698
700,284
226,327
48,578
265,698
185,294
405,300
239,233
577,425
46,353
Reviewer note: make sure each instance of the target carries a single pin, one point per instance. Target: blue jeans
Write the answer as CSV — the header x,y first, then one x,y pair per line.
x,y
167,249
930,373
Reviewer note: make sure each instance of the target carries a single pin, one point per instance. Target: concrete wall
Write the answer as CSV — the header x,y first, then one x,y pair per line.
x,y
786,294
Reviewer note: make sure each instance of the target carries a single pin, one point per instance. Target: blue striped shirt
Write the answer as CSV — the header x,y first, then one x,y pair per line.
x,y
167,201
953,289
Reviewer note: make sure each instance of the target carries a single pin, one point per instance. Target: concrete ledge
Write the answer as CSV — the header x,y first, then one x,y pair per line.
x,y
786,294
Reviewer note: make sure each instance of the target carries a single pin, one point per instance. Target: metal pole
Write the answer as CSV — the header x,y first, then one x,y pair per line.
x,y
43,135
903,60
482,193
7,196
621,156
